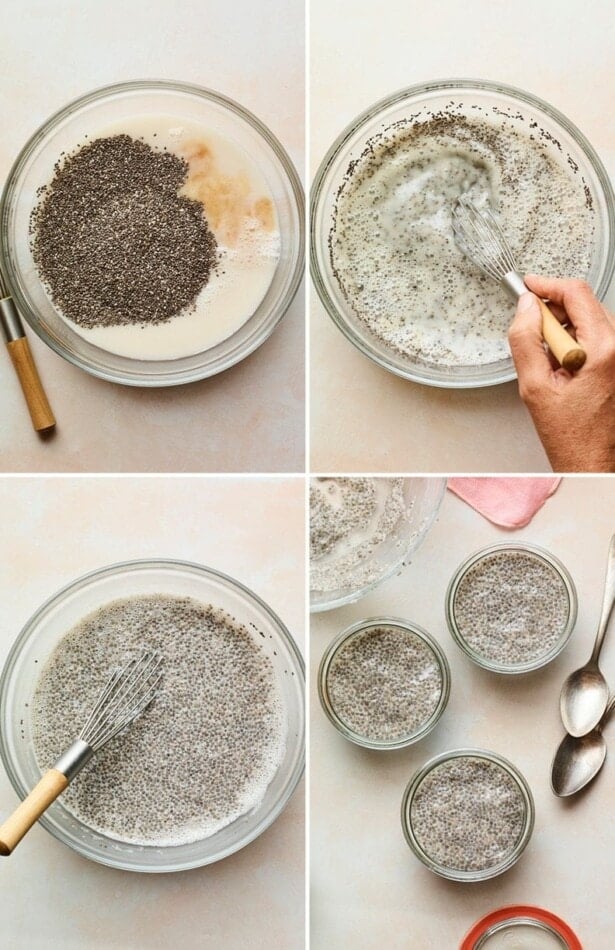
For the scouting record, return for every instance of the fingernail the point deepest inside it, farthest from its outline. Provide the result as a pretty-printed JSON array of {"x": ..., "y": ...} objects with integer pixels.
[{"x": 526, "y": 302}]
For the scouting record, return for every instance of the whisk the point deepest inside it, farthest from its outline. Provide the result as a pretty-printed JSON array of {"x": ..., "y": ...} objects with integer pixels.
[
  {"x": 128, "y": 692},
  {"x": 19, "y": 350},
  {"x": 481, "y": 239}
]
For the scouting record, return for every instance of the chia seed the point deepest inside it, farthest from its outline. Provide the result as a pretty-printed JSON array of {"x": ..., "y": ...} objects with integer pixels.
[
  {"x": 468, "y": 814},
  {"x": 391, "y": 244},
  {"x": 349, "y": 519},
  {"x": 207, "y": 747},
  {"x": 384, "y": 683},
  {"x": 511, "y": 607},
  {"x": 113, "y": 239}
]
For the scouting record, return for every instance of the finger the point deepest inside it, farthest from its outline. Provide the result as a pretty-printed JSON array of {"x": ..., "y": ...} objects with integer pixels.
[
  {"x": 526, "y": 344},
  {"x": 582, "y": 307}
]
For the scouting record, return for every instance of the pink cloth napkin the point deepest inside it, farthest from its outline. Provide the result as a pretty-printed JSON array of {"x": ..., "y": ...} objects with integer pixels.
[{"x": 509, "y": 502}]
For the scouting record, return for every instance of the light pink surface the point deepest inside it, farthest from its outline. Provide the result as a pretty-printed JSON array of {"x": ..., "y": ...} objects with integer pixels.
[
  {"x": 368, "y": 890},
  {"x": 364, "y": 419},
  {"x": 509, "y": 502},
  {"x": 55, "y": 529},
  {"x": 250, "y": 418}
]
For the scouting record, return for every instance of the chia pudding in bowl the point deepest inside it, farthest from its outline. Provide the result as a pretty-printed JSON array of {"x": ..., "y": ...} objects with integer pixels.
[
  {"x": 364, "y": 529},
  {"x": 468, "y": 815},
  {"x": 384, "y": 257},
  {"x": 216, "y": 756},
  {"x": 152, "y": 232},
  {"x": 511, "y": 607},
  {"x": 384, "y": 683}
]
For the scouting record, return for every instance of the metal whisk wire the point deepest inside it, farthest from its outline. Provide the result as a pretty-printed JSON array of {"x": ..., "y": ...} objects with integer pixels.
[
  {"x": 481, "y": 239},
  {"x": 126, "y": 695},
  {"x": 479, "y": 236}
]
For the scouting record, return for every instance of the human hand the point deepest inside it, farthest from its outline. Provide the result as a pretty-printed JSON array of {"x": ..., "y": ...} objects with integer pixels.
[{"x": 574, "y": 415}]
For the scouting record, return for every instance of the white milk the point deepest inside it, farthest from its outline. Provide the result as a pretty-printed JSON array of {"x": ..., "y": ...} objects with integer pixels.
[
  {"x": 393, "y": 249},
  {"x": 240, "y": 211}
]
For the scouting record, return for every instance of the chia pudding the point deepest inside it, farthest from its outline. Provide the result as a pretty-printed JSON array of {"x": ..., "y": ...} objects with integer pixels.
[
  {"x": 385, "y": 682},
  {"x": 468, "y": 814},
  {"x": 391, "y": 244},
  {"x": 155, "y": 239},
  {"x": 511, "y": 607},
  {"x": 206, "y": 749},
  {"x": 349, "y": 519}
]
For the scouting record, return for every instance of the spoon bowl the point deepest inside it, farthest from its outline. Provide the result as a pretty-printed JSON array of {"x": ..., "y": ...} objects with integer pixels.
[
  {"x": 585, "y": 695},
  {"x": 584, "y": 698},
  {"x": 579, "y": 758},
  {"x": 577, "y": 761}
]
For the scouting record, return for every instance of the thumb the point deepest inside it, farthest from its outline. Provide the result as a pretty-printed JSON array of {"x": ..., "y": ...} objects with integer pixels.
[{"x": 526, "y": 343}]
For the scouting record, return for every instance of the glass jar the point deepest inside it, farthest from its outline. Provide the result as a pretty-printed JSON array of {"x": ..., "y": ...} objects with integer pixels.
[
  {"x": 458, "y": 874},
  {"x": 543, "y": 557},
  {"x": 356, "y": 630}
]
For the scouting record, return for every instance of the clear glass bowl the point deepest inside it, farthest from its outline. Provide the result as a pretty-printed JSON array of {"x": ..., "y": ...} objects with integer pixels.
[
  {"x": 423, "y": 497},
  {"x": 455, "y": 874},
  {"x": 86, "y": 116},
  {"x": 433, "y": 96},
  {"x": 53, "y": 620},
  {"x": 342, "y": 640},
  {"x": 537, "y": 662}
]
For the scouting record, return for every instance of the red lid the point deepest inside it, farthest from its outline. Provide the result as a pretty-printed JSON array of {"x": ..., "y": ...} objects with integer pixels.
[{"x": 520, "y": 910}]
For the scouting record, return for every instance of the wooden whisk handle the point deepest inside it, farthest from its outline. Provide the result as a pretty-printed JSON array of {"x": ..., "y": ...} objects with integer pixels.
[
  {"x": 38, "y": 404},
  {"x": 565, "y": 349},
  {"x": 27, "y": 814}
]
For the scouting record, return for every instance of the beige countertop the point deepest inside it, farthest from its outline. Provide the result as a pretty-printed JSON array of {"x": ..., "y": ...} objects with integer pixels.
[
  {"x": 364, "y": 419},
  {"x": 250, "y": 418},
  {"x": 56, "y": 529},
  {"x": 368, "y": 889}
]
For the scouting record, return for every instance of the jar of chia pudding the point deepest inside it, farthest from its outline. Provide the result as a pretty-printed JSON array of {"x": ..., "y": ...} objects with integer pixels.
[
  {"x": 384, "y": 683},
  {"x": 468, "y": 815},
  {"x": 521, "y": 927},
  {"x": 511, "y": 607}
]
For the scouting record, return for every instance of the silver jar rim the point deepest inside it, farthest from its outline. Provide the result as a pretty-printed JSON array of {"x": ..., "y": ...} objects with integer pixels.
[
  {"x": 456, "y": 874},
  {"x": 479, "y": 658},
  {"x": 505, "y": 926},
  {"x": 359, "y": 628}
]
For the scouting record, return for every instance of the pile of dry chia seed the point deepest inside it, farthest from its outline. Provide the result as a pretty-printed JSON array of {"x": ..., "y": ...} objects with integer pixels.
[{"x": 113, "y": 240}]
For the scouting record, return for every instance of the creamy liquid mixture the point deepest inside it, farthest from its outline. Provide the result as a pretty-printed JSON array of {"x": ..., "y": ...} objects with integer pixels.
[
  {"x": 384, "y": 683},
  {"x": 205, "y": 750},
  {"x": 392, "y": 247},
  {"x": 349, "y": 519},
  {"x": 240, "y": 211}
]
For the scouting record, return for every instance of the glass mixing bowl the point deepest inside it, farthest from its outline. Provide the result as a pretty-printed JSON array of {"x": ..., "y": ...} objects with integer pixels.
[
  {"x": 87, "y": 116},
  {"x": 52, "y": 621},
  {"x": 422, "y": 497},
  {"x": 413, "y": 101}
]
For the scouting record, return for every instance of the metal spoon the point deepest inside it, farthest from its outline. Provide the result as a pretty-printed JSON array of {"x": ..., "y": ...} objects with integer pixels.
[
  {"x": 585, "y": 693},
  {"x": 578, "y": 760}
]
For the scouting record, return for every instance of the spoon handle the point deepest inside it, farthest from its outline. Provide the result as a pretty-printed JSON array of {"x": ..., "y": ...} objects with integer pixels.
[{"x": 607, "y": 602}]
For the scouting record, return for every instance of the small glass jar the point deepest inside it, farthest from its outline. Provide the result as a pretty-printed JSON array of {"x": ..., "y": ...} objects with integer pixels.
[
  {"x": 356, "y": 630},
  {"x": 458, "y": 874},
  {"x": 543, "y": 557},
  {"x": 521, "y": 926}
]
